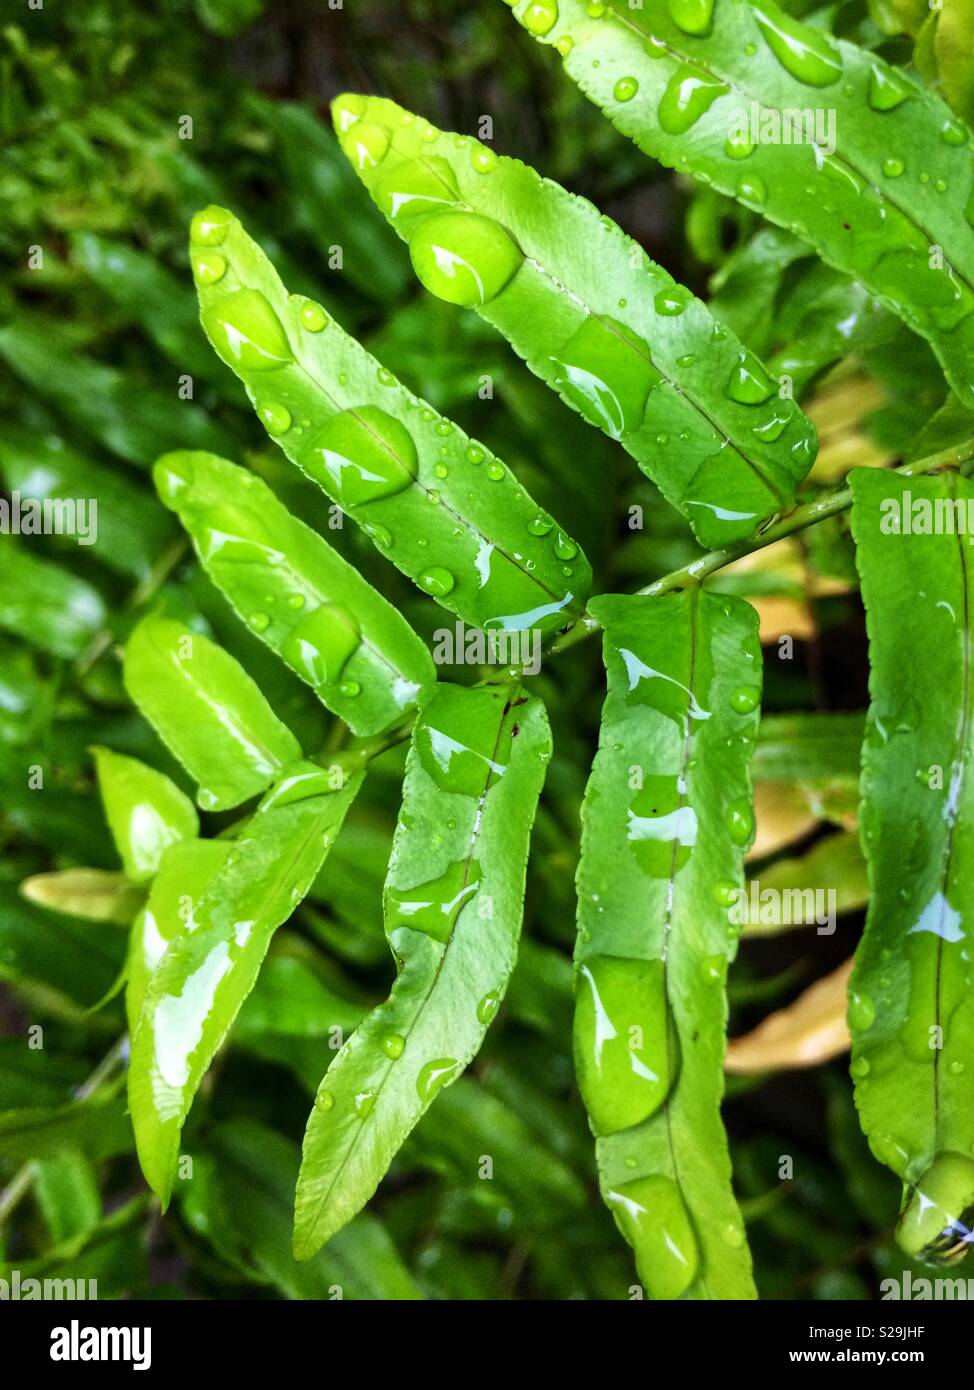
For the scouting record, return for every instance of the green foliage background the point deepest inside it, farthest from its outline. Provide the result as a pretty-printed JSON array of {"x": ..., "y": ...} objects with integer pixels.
[{"x": 92, "y": 347}]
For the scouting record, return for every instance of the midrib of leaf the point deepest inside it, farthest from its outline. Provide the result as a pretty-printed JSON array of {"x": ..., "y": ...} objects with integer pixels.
[
  {"x": 223, "y": 715},
  {"x": 963, "y": 734},
  {"x": 844, "y": 159},
  {"x": 701, "y": 410},
  {"x": 461, "y": 520},
  {"x": 429, "y": 991},
  {"x": 671, "y": 897}
]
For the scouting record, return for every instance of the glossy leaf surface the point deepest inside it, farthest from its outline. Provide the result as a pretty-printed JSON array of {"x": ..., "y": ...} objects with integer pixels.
[
  {"x": 633, "y": 351},
  {"x": 299, "y": 595},
  {"x": 450, "y": 516},
  {"x": 909, "y": 1012},
  {"x": 208, "y": 711},
  {"x": 145, "y": 809},
  {"x": 666, "y": 818},
  {"x": 888, "y": 181},
  {"x": 453, "y": 906},
  {"x": 209, "y": 968}
]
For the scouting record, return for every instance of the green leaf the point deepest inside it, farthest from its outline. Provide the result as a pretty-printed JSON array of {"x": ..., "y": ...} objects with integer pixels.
[
  {"x": 329, "y": 203},
  {"x": 128, "y": 416},
  {"x": 241, "y": 1202},
  {"x": 146, "y": 812},
  {"x": 209, "y": 968},
  {"x": 808, "y": 746},
  {"x": 439, "y": 507},
  {"x": 97, "y": 1127},
  {"x": 666, "y": 817},
  {"x": 912, "y": 1028},
  {"x": 689, "y": 84},
  {"x": 312, "y": 607},
  {"x": 453, "y": 905},
  {"x": 591, "y": 314},
  {"x": 67, "y": 1195},
  {"x": 46, "y": 605},
  {"x": 124, "y": 529},
  {"x": 207, "y": 710},
  {"x": 186, "y": 870},
  {"x": 95, "y": 894},
  {"x": 51, "y": 952},
  {"x": 953, "y": 48}
]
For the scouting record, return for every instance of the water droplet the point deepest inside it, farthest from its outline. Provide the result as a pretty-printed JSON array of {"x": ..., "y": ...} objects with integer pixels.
[
  {"x": 650, "y": 1213},
  {"x": 312, "y": 316},
  {"x": 737, "y": 145},
  {"x": 804, "y": 52},
  {"x": 275, "y": 418},
  {"x": 320, "y": 644},
  {"x": 436, "y": 581},
  {"x": 672, "y": 301},
  {"x": 347, "y": 109},
  {"x": 540, "y": 525},
  {"x": 210, "y": 226},
  {"x": 434, "y": 1076},
  {"x": 483, "y": 160},
  {"x": 496, "y": 472},
  {"x": 209, "y": 267},
  {"x": 626, "y": 1051},
  {"x": 260, "y": 622},
  {"x": 474, "y": 455},
  {"x": 745, "y": 698},
  {"x": 887, "y": 90},
  {"x": 565, "y": 44},
  {"x": 365, "y": 145},
  {"x": 385, "y": 377},
  {"x": 625, "y": 89},
  {"x": 324, "y": 1101},
  {"x": 893, "y": 167},
  {"x": 725, "y": 892},
  {"x": 540, "y": 17},
  {"x": 739, "y": 820},
  {"x": 692, "y": 16},
  {"x": 750, "y": 383},
  {"x": 860, "y": 1068},
  {"x": 733, "y": 1234},
  {"x": 606, "y": 371},
  {"x": 660, "y": 829},
  {"x": 462, "y": 257},
  {"x": 454, "y": 757},
  {"x": 862, "y": 1011},
  {"x": 564, "y": 548},
  {"x": 487, "y": 1008},
  {"x": 246, "y": 332},
  {"x": 712, "y": 969},
  {"x": 416, "y": 187},
  {"x": 364, "y": 1103},
  {"x": 654, "y": 47},
  {"x": 751, "y": 190},
  {"x": 689, "y": 95},
  {"x": 173, "y": 475},
  {"x": 433, "y": 907},
  {"x": 349, "y": 689},
  {"x": 953, "y": 133},
  {"x": 935, "y": 1225},
  {"x": 363, "y": 455},
  {"x": 392, "y": 1045}
]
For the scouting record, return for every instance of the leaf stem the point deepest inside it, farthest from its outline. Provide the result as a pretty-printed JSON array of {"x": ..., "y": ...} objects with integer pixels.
[{"x": 808, "y": 514}]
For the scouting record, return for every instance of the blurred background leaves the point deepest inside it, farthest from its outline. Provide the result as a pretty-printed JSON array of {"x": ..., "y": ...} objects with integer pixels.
[{"x": 118, "y": 121}]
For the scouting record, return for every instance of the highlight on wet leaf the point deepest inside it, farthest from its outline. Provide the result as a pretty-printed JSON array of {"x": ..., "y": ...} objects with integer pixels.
[
  {"x": 441, "y": 507},
  {"x": 818, "y": 135},
  {"x": 666, "y": 818},
  {"x": 452, "y": 907},
  {"x": 612, "y": 332}
]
